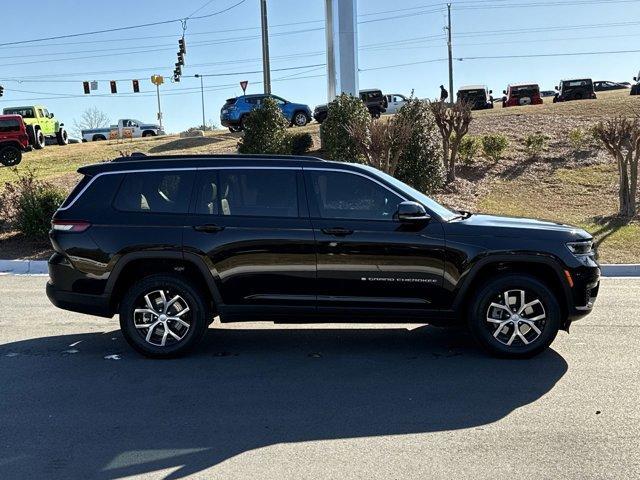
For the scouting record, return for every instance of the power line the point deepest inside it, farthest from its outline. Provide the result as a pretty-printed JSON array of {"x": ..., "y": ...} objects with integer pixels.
[{"x": 119, "y": 29}]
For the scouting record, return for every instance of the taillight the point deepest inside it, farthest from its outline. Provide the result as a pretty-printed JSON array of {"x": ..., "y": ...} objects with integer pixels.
[{"x": 75, "y": 226}]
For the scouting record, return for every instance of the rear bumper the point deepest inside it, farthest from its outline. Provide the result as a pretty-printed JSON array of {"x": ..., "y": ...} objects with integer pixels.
[{"x": 79, "y": 302}]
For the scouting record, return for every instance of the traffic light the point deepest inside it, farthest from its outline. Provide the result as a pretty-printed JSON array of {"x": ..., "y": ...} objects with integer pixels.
[
  {"x": 176, "y": 77},
  {"x": 182, "y": 45},
  {"x": 114, "y": 87},
  {"x": 87, "y": 90},
  {"x": 1, "y": 90},
  {"x": 136, "y": 86},
  {"x": 178, "y": 69},
  {"x": 180, "y": 58}
]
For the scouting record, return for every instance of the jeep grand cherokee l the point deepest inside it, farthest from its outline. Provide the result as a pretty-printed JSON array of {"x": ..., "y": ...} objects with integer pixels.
[{"x": 169, "y": 242}]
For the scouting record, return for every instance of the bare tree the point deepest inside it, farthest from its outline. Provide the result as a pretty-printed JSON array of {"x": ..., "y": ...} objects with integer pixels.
[
  {"x": 453, "y": 123},
  {"x": 621, "y": 138},
  {"x": 381, "y": 142},
  {"x": 91, "y": 118}
]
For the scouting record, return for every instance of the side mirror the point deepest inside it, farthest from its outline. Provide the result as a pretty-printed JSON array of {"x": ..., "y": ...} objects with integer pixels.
[
  {"x": 556, "y": 87},
  {"x": 490, "y": 91},
  {"x": 411, "y": 212},
  {"x": 635, "y": 79},
  {"x": 50, "y": 115},
  {"x": 504, "y": 92}
]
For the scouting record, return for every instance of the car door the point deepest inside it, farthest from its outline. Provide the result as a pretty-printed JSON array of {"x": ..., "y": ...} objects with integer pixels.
[
  {"x": 252, "y": 226},
  {"x": 366, "y": 258}
]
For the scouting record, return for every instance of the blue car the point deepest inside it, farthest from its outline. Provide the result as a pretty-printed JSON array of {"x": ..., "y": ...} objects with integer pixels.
[{"x": 235, "y": 110}]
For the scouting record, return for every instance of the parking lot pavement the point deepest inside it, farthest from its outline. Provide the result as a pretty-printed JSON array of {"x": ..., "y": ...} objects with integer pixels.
[{"x": 340, "y": 402}]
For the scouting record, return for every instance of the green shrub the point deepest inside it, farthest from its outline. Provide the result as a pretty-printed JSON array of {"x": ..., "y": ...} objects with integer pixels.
[
  {"x": 577, "y": 138},
  {"x": 336, "y": 142},
  {"x": 420, "y": 164},
  {"x": 468, "y": 149},
  {"x": 300, "y": 143},
  {"x": 494, "y": 145},
  {"x": 28, "y": 205},
  {"x": 265, "y": 130},
  {"x": 535, "y": 144}
]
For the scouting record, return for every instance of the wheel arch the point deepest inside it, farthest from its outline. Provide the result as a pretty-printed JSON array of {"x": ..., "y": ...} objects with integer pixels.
[
  {"x": 546, "y": 270},
  {"x": 127, "y": 271}
]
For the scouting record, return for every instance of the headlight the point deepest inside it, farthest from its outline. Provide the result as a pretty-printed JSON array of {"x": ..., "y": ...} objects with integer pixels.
[{"x": 581, "y": 249}]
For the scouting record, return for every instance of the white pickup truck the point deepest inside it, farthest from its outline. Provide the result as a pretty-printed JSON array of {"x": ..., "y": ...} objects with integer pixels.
[{"x": 126, "y": 128}]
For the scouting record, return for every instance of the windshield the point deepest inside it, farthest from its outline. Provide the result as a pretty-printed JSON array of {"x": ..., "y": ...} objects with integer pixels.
[{"x": 429, "y": 203}]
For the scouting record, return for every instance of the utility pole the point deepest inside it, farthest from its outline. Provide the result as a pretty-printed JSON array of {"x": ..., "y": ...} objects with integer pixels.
[
  {"x": 266, "y": 67},
  {"x": 159, "y": 111},
  {"x": 202, "y": 94},
  {"x": 451, "y": 97}
]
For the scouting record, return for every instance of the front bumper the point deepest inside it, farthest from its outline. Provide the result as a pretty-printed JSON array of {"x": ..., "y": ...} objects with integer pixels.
[{"x": 586, "y": 285}]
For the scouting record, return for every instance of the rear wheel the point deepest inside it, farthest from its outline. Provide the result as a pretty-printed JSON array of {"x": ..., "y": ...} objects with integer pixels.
[
  {"x": 39, "y": 140},
  {"x": 164, "y": 316},
  {"x": 62, "y": 137},
  {"x": 97, "y": 138},
  {"x": 10, "y": 156},
  {"x": 148, "y": 133},
  {"x": 515, "y": 316}
]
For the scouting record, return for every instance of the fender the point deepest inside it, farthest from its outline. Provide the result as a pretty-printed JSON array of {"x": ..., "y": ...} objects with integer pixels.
[
  {"x": 467, "y": 278},
  {"x": 195, "y": 260}
]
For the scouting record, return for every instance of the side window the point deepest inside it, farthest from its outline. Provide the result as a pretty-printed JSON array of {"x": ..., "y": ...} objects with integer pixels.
[
  {"x": 207, "y": 198},
  {"x": 259, "y": 192},
  {"x": 346, "y": 195},
  {"x": 40, "y": 113},
  {"x": 155, "y": 192}
]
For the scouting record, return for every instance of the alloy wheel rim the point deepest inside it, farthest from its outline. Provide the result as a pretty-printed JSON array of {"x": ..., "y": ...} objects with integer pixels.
[
  {"x": 300, "y": 119},
  {"x": 516, "y": 318},
  {"x": 10, "y": 158},
  {"x": 162, "y": 318}
]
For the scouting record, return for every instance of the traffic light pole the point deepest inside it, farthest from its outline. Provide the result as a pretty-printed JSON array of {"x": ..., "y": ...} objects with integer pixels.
[
  {"x": 202, "y": 94},
  {"x": 159, "y": 110}
]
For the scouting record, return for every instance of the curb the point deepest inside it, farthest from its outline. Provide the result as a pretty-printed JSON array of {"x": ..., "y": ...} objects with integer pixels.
[
  {"x": 23, "y": 267},
  {"x": 39, "y": 267}
]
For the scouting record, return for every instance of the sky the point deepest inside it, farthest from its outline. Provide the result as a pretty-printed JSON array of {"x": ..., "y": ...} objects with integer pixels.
[{"x": 402, "y": 47}]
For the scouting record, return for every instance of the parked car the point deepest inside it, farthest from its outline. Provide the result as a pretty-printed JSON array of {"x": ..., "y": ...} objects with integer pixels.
[
  {"x": 605, "y": 85},
  {"x": 577, "y": 89},
  {"x": 14, "y": 140},
  {"x": 235, "y": 111},
  {"x": 635, "y": 89},
  {"x": 373, "y": 98},
  {"x": 170, "y": 242},
  {"x": 478, "y": 96},
  {"x": 44, "y": 125},
  {"x": 519, "y": 94},
  {"x": 547, "y": 93},
  {"x": 395, "y": 101},
  {"x": 125, "y": 128}
]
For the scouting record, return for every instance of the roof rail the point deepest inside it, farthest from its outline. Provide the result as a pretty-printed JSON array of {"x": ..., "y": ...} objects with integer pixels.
[{"x": 139, "y": 156}]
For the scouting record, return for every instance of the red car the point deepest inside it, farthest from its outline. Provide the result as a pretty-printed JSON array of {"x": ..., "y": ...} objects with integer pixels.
[
  {"x": 13, "y": 140},
  {"x": 521, "y": 94}
]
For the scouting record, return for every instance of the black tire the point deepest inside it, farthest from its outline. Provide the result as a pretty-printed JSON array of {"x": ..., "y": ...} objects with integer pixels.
[
  {"x": 235, "y": 129},
  {"x": 39, "y": 141},
  {"x": 243, "y": 121},
  {"x": 299, "y": 119},
  {"x": 148, "y": 133},
  {"x": 494, "y": 335},
  {"x": 10, "y": 156},
  {"x": 62, "y": 137},
  {"x": 98, "y": 138},
  {"x": 197, "y": 316}
]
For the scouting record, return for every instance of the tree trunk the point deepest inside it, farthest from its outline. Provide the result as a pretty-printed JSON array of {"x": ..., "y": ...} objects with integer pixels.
[
  {"x": 626, "y": 203},
  {"x": 633, "y": 187}
]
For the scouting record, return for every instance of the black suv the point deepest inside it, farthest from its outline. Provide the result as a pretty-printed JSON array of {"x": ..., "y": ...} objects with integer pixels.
[
  {"x": 579, "y": 89},
  {"x": 373, "y": 98},
  {"x": 170, "y": 242}
]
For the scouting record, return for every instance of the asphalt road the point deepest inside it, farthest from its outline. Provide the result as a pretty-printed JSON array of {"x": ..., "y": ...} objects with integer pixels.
[{"x": 329, "y": 402}]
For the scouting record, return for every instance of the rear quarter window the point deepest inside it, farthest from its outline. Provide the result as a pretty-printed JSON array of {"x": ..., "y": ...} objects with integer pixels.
[
  {"x": 155, "y": 192},
  {"x": 10, "y": 125}
]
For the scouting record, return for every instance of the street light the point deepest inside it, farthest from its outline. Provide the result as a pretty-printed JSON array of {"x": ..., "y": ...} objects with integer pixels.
[{"x": 197, "y": 75}]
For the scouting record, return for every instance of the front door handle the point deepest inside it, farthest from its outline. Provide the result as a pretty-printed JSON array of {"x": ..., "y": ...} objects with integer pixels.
[
  {"x": 337, "y": 231},
  {"x": 208, "y": 228}
]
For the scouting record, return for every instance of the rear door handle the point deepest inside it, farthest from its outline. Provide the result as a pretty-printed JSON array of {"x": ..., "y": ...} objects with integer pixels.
[
  {"x": 208, "y": 228},
  {"x": 337, "y": 231}
]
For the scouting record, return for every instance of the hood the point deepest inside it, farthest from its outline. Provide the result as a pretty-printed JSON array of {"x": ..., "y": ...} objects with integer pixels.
[{"x": 496, "y": 226}]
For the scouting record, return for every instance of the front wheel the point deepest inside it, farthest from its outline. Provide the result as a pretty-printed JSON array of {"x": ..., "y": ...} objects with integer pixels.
[
  {"x": 62, "y": 137},
  {"x": 10, "y": 156},
  {"x": 164, "y": 316},
  {"x": 515, "y": 316},
  {"x": 39, "y": 140},
  {"x": 300, "y": 119}
]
